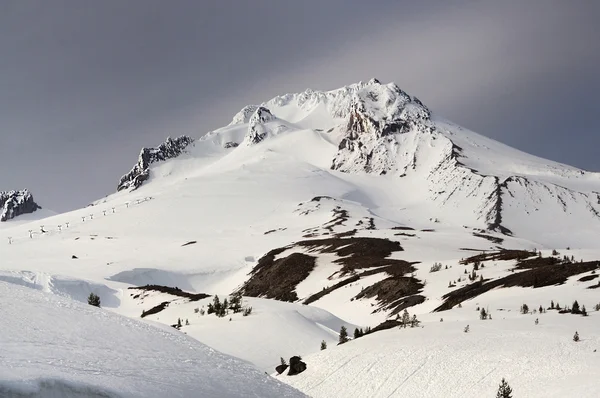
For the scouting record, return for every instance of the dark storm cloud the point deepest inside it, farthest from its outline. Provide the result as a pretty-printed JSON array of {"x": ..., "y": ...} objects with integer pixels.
[{"x": 85, "y": 84}]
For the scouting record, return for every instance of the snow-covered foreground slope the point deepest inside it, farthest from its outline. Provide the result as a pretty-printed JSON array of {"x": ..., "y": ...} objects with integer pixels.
[
  {"x": 273, "y": 329},
  {"x": 441, "y": 360},
  {"x": 55, "y": 347}
]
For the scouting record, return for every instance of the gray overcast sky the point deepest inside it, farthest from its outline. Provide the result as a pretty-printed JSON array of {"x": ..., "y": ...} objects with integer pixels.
[{"x": 85, "y": 84}]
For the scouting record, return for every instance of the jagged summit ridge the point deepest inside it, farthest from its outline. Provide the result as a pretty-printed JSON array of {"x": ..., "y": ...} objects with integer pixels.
[
  {"x": 169, "y": 149},
  {"x": 15, "y": 203}
]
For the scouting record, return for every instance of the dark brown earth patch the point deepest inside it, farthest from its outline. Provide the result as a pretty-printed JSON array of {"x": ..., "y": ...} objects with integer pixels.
[
  {"x": 395, "y": 293},
  {"x": 405, "y": 234},
  {"x": 156, "y": 310},
  {"x": 174, "y": 291},
  {"x": 537, "y": 262},
  {"x": 346, "y": 234},
  {"x": 192, "y": 242},
  {"x": 548, "y": 275},
  {"x": 492, "y": 239},
  {"x": 499, "y": 256},
  {"x": 403, "y": 228},
  {"x": 277, "y": 279},
  {"x": 588, "y": 278}
]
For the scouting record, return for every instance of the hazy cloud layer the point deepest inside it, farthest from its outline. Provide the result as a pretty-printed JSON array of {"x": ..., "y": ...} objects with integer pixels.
[{"x": 85, "y": 84}]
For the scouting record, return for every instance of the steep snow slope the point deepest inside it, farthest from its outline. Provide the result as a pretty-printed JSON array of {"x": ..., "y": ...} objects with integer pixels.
[{"x": 55, "y": 347}]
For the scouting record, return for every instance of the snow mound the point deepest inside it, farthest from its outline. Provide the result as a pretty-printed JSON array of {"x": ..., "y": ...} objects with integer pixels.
[{"x": 52, "y": 346}]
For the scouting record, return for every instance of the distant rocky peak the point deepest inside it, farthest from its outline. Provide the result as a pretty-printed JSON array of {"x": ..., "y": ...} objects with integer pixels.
[
  {"x": 169, "y": 149},
  {"x": 15, "y": 203},
  {"x": 243, "y": 116},
  {"x": 256, "y": 128}
]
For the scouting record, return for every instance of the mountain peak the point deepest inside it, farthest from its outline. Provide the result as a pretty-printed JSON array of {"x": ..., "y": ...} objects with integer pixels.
[
  {"x": 171, "y": 148},
  {"x": 15, "y": 203}
]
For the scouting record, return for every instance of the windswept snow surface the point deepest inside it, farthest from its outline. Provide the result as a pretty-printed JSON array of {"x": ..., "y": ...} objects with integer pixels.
[
  {"x": 441, "y": 360},
  {"x": 55, "y": 347}
]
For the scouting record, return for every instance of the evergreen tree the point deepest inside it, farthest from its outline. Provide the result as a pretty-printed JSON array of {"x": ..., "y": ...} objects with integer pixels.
[
  {"x": 584, "y": 311},
  {"x": 524, "y": 309},
  {"x": 467, "y": 329},
  {"x": 483, "y": 314},
  {"x": 537, "y": 321},
  {"x": 504, "y": 390},
  {"x": 343, "y": 335},
  {"x": 576, "y": 337},
  {"x": 575, "y": 309},
  {"x": 405, "y": 319},
  {"x": 210, "y": 309},
  {"x": 414, "y": 322},
  {"x": 541, "y": 310},
  {"x": 235, "y": 302},
  {"x": 217, "y": 305},
  {"x": 323, "y": 345},
  {"x": 94, "y": 300},
  {"x": 551, "y": 304},
  {"x": 356, "y": 333},
  {"x": 283, "y": 362},
  {"x": 178, "y": 322}
]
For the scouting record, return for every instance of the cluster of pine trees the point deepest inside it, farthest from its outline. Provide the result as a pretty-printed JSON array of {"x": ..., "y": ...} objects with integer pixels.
[{"x": 234, "y": 304}]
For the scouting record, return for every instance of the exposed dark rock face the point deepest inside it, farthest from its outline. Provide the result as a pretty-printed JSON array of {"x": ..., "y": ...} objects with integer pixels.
[
  {"x": 256, "y": 129},
  {"x": 296, "y": 366},
  {"x": 169, "y": 149},
  {"x": 281, "y": 368},
  {"x": 15, "y": 203}
]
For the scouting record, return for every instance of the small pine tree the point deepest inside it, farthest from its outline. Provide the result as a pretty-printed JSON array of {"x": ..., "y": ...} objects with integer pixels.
[
  {"x": 283, "y": 362},
  {"x": 483, "y": 314},
  {"x": 551, "y": 304},
  {"x": 459, "y": 305},
  {"x": 356, "y": 333},
  {"x": 405, "y": 319},
  {"x": 210, "y": 309},
  {"x": 467, "y": 329},
  {"x": 94, "y": 300},
  {"x": 323, "y": 345},
  {"x": 187, "y": 323},
  {"x": 217, "y": 305},
  {"x": 504, "y": 390},
  {"x": 575, "y": 309},
  {"x": 584, "y": 311},
  {"x": 343, "y": 335},
  {"x": 524, "y": 309},
  {"x": 414, "y": 322},
  {"x": 537, "y": 321},
  {"x": 541, "y": 310},
  {"x": 178, "y": 322},
  {"x": 576, "y": 337},
  {"x": 247, "y": 311}
]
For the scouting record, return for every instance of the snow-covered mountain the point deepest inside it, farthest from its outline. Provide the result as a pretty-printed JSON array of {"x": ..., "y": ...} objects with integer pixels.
[
  {"x": 329, "y": 209},
  {"x": 15, "y": 203}
]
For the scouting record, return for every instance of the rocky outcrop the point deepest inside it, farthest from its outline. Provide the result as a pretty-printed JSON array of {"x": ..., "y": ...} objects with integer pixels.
[
  {"x": 378, "y": 113},
  {"x": 256, "y": 125},
  {"x": 15, "y": 203},
  {"x": 169, "y": 149},
  {"x": 296, "y": 366}
]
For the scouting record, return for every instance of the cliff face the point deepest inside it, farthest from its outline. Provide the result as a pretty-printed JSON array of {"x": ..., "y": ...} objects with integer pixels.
[
  {"x": 15, "y": 203},
  {"x": 169, "y": 149}
]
